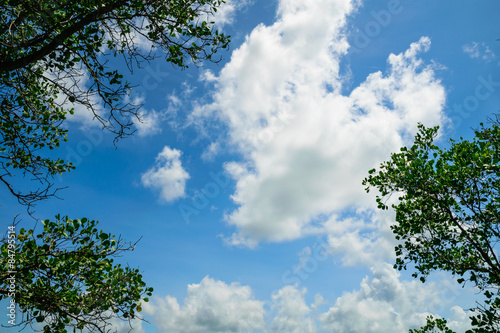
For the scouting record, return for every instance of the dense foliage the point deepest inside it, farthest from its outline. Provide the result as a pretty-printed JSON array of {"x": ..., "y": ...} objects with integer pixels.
[
  {"x": 433, "y": 325},
  {"x": 447, "y": 213},
  {"x": 54, "y": 58},
  {"x": 66, "y": 276}
]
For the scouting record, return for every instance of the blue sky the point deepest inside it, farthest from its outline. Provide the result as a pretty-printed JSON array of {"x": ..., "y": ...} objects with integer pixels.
[{"x": 245, "y": 180}]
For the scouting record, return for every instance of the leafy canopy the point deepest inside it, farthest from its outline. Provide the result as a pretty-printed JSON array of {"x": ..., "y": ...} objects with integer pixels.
[
  {"x": 447, "y": 213},
  {"x": 48, "y": 48},
  {"x": 433, "y": 325},
  {"x": 66, "y": 277},
  {"x": 54, "y": 57}
]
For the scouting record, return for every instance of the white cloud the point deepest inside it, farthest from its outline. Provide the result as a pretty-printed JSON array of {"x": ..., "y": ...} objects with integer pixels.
[
  {"x": 293, "y": 314},
  {"x": 167, "y": 175},
  {"x": 385, "y": 304},
  {"x": 227, "y": 11},
  {"x": 148, "y": 123},
  {"x": 478, "y": 50},
  {"x": 212, "y": 150},
  {"x": 306, "y": 147},
  {"x": 138, "y": 39},
  {"x": 210, "y": 306},
  {"x": 365, "y": 239},
  {"x": 459, "y": 320}
]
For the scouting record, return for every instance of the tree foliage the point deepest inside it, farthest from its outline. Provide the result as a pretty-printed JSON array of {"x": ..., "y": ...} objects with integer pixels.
[
  {"x": 48, "y": 49},
  {"x": 447, "y": 213},
  {"x": 54, "y": 57},
  {"x": 433, "y": 325},
  {"x": 66, "y": 277}
]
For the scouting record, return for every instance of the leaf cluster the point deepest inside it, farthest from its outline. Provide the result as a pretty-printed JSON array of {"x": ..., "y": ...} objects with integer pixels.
[
  {"x": 433, "y": 325},
  {"x": 66, "y": 277},
  {"x": 447, "y": 212}
]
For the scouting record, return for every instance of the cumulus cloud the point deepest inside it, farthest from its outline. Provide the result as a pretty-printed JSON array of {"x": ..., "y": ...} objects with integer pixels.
[
  {"x": 385, "y": 304},
  {"x": 293, "y": 314},
  {"x": 210, "y": 306},
  {"x": 477, "y": 50},
  {"x": 459, "y": 319},
  {"x": 306, "y": 147},
  {"x": 167, "y": 175},
  {"x": 361, "y": 240}
]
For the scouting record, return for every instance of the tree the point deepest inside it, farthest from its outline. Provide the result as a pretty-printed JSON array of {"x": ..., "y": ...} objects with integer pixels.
[
  {"x": 48, "y": 46},
  {"x": 65, "y": 277},
  {"x": 433, "y": 325},
  {"x": 447, "y": 213}
]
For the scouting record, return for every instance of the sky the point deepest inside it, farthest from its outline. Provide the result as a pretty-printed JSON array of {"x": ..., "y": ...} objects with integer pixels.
[{"x": 243, "y": 183}]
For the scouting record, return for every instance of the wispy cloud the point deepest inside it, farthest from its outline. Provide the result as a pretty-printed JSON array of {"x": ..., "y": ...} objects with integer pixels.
[
  {"x": 477, "y": 50},
  {"x": 226, "y": 13},
  {"x": 292, "y": 312},
  {"x": 148, "y": 123}
]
